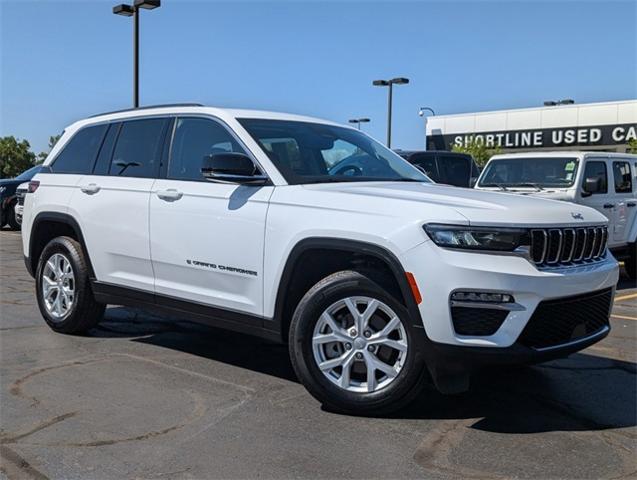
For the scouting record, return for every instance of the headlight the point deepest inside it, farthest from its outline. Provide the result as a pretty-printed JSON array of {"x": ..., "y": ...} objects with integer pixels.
[{"x": 477, "y": 238}]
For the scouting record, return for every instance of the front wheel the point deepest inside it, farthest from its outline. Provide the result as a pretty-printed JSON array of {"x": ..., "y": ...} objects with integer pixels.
[
  {"x": 353, "y": 346},
  {"x": 12, "y": 219}
]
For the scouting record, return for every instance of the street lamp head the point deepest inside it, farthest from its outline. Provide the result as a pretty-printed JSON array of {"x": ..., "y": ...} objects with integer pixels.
[
  {"x": 124, "y": 10},
  {"x": 364, "y": 120},
  {"x": 147, "y": 4},
  {"x": 380, "y": 83},
  {"x": 353, "y": 120},
  {"x": 422, "y": 111},
  {"x": 550, "y": 103},
  {"x": 399, "y": 81},
  {"x": 566, "y": 101}
]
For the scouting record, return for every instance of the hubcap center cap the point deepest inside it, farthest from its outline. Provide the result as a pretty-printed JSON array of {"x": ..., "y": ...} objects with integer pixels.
[{"x": 359, "y": 343}]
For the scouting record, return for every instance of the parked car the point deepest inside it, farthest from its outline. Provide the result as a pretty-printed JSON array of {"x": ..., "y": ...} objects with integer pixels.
[
  {"x": 20, "y": 193},
  {"x": 604, "y": 181},
  {"x": 232, "y": 218},
  {"x": 8, "y": 199},
  {"x": 441, "y": 166}
]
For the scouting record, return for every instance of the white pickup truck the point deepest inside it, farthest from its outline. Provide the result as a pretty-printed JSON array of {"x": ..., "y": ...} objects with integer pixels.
[{"x": 604, "y": 181}]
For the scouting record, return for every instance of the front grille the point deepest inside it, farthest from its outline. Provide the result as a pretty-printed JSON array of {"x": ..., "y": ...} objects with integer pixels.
[
  {"x": 477, "y": 321},
  {"x": 567, "y": 246},
  {"x": 560, "y": 321},
  {"x": 20, "y": 194}
]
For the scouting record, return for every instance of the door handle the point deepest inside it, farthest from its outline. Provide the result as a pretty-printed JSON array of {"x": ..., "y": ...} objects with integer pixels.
[
  {"x": 609, "y": 205},
  {"x": 90, "y": 189},
  {"x": 631, "y": 204},
  {"x": 170, "y": 195}
]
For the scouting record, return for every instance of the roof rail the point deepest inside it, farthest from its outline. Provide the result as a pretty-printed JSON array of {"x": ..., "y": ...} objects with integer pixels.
[{"x": 164, "y": 105}]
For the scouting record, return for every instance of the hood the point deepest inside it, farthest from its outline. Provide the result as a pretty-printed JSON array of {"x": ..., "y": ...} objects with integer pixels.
[
  {"x": 8, "y": 186},
  {"x": 10, "y": 181},
  {"x": 434, "y": 202}
]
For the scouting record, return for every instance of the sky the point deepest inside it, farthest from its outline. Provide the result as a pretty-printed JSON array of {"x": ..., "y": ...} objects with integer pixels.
[{"x": 62, "y": 61}]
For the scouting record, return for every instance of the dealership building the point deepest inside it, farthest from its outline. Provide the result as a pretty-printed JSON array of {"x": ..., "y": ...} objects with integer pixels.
[{"x": 607, "y": 126}]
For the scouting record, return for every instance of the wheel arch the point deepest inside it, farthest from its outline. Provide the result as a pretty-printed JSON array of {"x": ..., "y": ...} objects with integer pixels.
[
  {"x": 49, "y": 225},
  {"x": 353, "y": 249}
]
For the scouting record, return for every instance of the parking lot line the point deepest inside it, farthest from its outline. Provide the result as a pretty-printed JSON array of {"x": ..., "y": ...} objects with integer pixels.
[
  {"x": 623, "y": 317},
  {"x": 626, "y": 297}
]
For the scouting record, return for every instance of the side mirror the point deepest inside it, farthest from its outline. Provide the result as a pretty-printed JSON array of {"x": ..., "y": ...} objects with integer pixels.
[
  {"x": 473, "y": 181},
  {"x": 231, "y": 167},
  {"x": 591, "y": 185}
]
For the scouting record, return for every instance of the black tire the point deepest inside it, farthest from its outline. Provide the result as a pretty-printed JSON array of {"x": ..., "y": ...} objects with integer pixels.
[
  {"x": 394, "y": 396},
  {"x": 630, "y": 264},
  {"x": 85, "y": 313},
  {"x": 11, "y": 220}
]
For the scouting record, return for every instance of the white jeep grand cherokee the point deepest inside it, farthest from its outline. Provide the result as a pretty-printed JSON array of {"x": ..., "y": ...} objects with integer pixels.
[{"x": 374, "y": 275}]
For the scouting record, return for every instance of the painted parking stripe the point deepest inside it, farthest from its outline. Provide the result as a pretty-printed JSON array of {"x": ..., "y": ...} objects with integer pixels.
[
  {"x": 626, "y": 297},
  {"x": 623, "y": 317}
]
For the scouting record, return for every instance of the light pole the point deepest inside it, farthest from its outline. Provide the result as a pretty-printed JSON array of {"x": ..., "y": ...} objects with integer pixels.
[
  {"x": 126, "y": 10},
  {"x": 421, "y": 112},
  {"x": 390, "y": 84},
  {"x": 359, "y": 121}
]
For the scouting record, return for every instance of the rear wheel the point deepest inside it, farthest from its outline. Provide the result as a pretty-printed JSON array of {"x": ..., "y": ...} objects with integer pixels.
[
  {"x": 353, "y": 346},
  {"x": 63, "y": 289}
]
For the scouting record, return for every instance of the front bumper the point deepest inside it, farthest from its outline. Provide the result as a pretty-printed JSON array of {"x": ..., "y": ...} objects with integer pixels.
[
  {"x": 19, "y": 210},
  {"x": 439, "y": 272},
  {"x": 452, "y": 357}
]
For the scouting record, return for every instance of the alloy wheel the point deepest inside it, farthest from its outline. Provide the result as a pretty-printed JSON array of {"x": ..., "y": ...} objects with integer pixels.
[
  {"x": 360, "y": 344},
  {"x": 58, "y": 286}
]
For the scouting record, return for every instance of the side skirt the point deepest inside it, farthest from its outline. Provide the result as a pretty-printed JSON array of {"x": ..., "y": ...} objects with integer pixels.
[{"x": 197, "y": 312}]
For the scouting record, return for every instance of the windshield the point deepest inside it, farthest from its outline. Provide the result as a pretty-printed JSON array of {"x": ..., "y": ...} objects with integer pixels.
[
  {"x": 538, "y": 172},
  {"x": 316, "y": 153},
  {"x": 29, "y": 174}
]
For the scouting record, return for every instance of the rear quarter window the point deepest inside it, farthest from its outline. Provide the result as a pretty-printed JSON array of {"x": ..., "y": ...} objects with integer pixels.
[{"x": 78, "y": 155}]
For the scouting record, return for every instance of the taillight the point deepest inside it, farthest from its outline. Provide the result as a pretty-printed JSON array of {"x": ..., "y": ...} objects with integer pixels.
[{"x": 33, "y": 186}]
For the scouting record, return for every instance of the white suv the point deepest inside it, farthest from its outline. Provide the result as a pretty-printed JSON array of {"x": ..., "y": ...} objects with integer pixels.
[
  {"x": 375, "y": 276},
  {"x": 604, "y": 181}
]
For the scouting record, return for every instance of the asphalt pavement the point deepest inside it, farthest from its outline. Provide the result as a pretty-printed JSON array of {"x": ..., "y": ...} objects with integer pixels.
[{"x": 146, "y": 396}]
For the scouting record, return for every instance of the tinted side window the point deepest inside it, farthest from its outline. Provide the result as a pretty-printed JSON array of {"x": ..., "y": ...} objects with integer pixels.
[
  {"x": 428, "y": 164},
  {"x": 138, "y": 148},
  {"x": 597, "y": 170},
  {"x": 623, "y": 180},
  {"x": 455, "y": 170},
  {"x": 79, "y": 153},
  {"x": 103, "y": 162},
  {"x": 196, "y": 138}
]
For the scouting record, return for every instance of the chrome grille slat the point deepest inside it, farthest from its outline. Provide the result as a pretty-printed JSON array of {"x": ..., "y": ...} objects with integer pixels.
[
  {"x": 568, "y": 246},
  {"x": 569, "y": 236}
]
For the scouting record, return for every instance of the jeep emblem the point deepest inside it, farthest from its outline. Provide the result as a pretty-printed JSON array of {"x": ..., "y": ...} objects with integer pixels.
[{"x": 577, "y": 216}]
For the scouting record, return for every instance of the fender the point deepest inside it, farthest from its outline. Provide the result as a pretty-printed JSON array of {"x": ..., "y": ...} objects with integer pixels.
[
  {"x": 354, "y": 246},
  {"x": 57, "y": 217}
]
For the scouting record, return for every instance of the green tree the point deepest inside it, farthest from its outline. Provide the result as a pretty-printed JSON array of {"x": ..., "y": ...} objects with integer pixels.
[
  {"x": 478, "y": 150},
  {"x": 632, "y": 145},
  {"x": 15, "y": 156}
]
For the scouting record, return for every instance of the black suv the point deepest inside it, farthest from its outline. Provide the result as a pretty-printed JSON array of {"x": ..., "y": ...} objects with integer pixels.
[
  {"x": 441, "y": 166},
  {"x": 8, "y": 198}
]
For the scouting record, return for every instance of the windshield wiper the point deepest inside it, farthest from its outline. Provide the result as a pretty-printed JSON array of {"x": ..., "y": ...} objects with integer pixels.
[
  {"x": 532, "y": 185},
  {"x": 497, "y": 185}
]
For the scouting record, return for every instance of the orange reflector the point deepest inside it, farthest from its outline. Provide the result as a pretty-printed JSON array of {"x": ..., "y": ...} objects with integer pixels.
[{"x": 414, "y": 287}]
